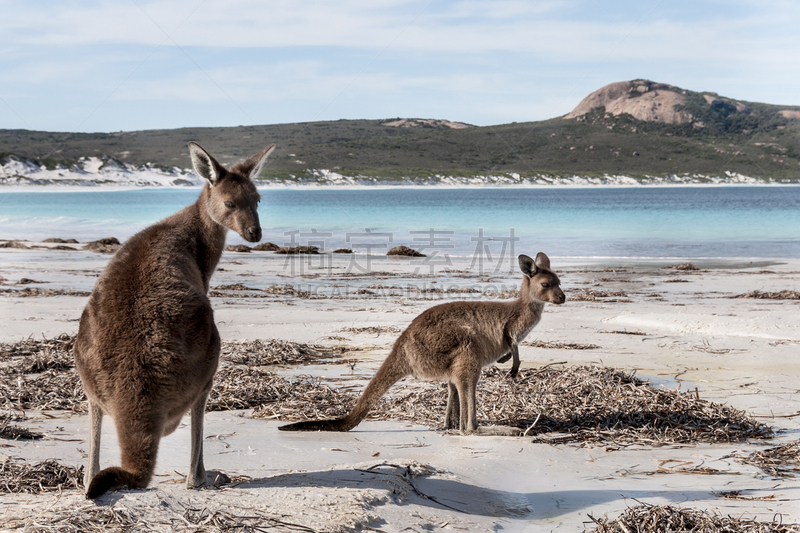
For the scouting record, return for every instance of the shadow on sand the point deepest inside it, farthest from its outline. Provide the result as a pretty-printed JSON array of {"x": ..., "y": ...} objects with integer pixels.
[{"x": 419, "y": 485}]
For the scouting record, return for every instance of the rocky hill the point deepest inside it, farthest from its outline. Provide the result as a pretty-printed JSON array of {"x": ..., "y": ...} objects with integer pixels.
[
  {"x": 635, "y": 128},
  {"x": 641, "y": 99},
  {"x": 650, "y": 101}
]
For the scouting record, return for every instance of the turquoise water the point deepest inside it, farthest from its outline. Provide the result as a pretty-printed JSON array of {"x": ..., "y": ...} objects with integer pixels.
[{"x": 737, "y": 221}]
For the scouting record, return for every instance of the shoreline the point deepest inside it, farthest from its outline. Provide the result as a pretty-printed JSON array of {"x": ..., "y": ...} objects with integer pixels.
[
  {"x": 571, "y": 260},
  {"x": 51, "y": 188}
]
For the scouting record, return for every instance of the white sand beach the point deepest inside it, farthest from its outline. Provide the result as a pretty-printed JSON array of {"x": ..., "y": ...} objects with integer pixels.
[{"x": 394, "y": 476}]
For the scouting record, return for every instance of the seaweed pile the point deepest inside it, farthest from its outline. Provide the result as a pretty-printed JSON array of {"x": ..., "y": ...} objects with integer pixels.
[
  {"x": 17, "y": 475},
  {"x": 554, "y": 405},
  {"x": 780, "y": 461},
  {"x": 665, "y": 519}
]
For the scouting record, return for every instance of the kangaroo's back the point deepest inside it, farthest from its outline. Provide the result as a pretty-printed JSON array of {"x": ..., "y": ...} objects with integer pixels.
[
  {"x": 147, "y": 346},
  {"x": 146, "y": 329}
]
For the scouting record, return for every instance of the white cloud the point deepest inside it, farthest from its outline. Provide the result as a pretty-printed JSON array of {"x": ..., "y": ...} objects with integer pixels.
[
  {"x": 467, "y": 26},
  {"x": 479, "y": 61}
]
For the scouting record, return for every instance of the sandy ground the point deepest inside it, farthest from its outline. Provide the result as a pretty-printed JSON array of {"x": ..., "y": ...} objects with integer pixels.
[{"x": 392, "y": 476}]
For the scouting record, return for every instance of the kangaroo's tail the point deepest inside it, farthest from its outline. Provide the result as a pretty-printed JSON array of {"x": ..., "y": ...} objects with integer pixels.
[
  {"x": 138, "y": 451},
  {"x": 391, "y": 371}
]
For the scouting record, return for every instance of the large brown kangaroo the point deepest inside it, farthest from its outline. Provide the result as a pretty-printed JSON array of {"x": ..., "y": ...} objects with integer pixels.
[
  {"x": 147, "y": 346},
  {"x": 453, "y": 342}
]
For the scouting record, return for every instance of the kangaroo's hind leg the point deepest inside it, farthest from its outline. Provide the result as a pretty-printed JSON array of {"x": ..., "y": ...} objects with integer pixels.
[
  {"x": 466, "y": 385},
  {"x": 515, "y": 363},
  {"x": 197, "y": 471},
  {"x": 198, "y": 476},
  {"x": 467, "y": 390},
  {"x": 453, "y": 413},
  {"x": 95, "y": 425}
]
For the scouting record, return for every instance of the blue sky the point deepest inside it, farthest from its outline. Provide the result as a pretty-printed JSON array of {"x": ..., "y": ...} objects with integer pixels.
[{"x": 133, "y": 64}]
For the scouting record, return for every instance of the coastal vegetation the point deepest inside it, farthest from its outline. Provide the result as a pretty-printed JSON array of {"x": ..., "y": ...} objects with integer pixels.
[{"x": 703, "y": 134}]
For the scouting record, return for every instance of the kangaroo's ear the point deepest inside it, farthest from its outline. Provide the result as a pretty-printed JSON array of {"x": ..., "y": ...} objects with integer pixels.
[
  {"x": 527, "y": 266},
  {"x": 205, "y": 165},
  {"x": 542, "y": 261},
  {"x": 252, "y": 165}
]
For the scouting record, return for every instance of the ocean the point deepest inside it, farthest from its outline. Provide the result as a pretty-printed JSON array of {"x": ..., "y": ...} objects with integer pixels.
[{"x": 633, "y": 222}]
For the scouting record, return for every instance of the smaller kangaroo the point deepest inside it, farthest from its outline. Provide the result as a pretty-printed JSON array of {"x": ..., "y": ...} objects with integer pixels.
[
  {"x": 453, "y": 342},
  {"x": 147, "y": 346}
]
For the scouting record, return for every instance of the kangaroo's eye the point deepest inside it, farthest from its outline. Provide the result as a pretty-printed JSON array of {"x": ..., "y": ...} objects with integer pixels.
[
  {"x": 229, "y": 205},
  {"x": 546, "y": 285}
]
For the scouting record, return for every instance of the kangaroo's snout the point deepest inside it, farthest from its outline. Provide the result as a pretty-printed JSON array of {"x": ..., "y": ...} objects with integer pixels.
[
  {"x": 560, "y": 297},
  {"x": 253, "y": 234}
]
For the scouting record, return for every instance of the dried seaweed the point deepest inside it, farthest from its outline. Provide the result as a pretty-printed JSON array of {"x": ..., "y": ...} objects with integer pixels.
[
  {"x": 737, "y": 495},
  {"x": 404, "y": 251},
  {"x": 17, "y": 475},
  {"x": 574, "y": 404},
  {"x": 246, "y": 380},
  {"x": 589, "y": 295},
  {"x": 30, "y": 346},
  {"x": 238, "y": 248},
  {"x": 108, "y": 245},
  {"x": 306, "y": 398},
  {"x": 779, "y": 295},
  {"x": 42, "y": 374},
  {"x": 13, "y": 244},
  {"x": 49, "y": 390},
  {"x": 782, "y": 461},
  {"x": 88, "y": 519},
  {"x": 266, "y": 247},
  {"x": 60, "y": 241},
  {"x": 376, "y": 330},
  {"x": 243, "y": 387},
  {"x": 664, "y": 519},
  {"x": 449, "y": 290},
  {"x": 233, "y": 287},
  {"x": 222, "y": 522},
  {"x": 12, "y": 432},
  {"x": 625, "y": 332},
  {"x": 295, "y": 250},
  {"x": 28, "y": 292},
  {"x": 560, "y": 345},
  {"x": 288, "y": 290},
  {"x": 365, "y": 292},
  {"x": 279, "y": 352},
  {"x": 682, "y": 266},
  {"x": 502, "y": 295}
]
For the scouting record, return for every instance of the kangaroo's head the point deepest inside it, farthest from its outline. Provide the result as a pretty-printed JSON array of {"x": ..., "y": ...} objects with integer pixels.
[
  {"x": 231, "y": 197},
  {"x": 540, "y": 282}
]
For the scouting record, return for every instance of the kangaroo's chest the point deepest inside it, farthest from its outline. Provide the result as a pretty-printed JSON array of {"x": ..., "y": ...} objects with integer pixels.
[{"x": 526, "y": 329}]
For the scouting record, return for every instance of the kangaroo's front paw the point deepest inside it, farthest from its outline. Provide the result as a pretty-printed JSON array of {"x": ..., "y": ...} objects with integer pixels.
[
  {"x": 512, "y": 374},
  {"x": 505, "y": 358}
]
